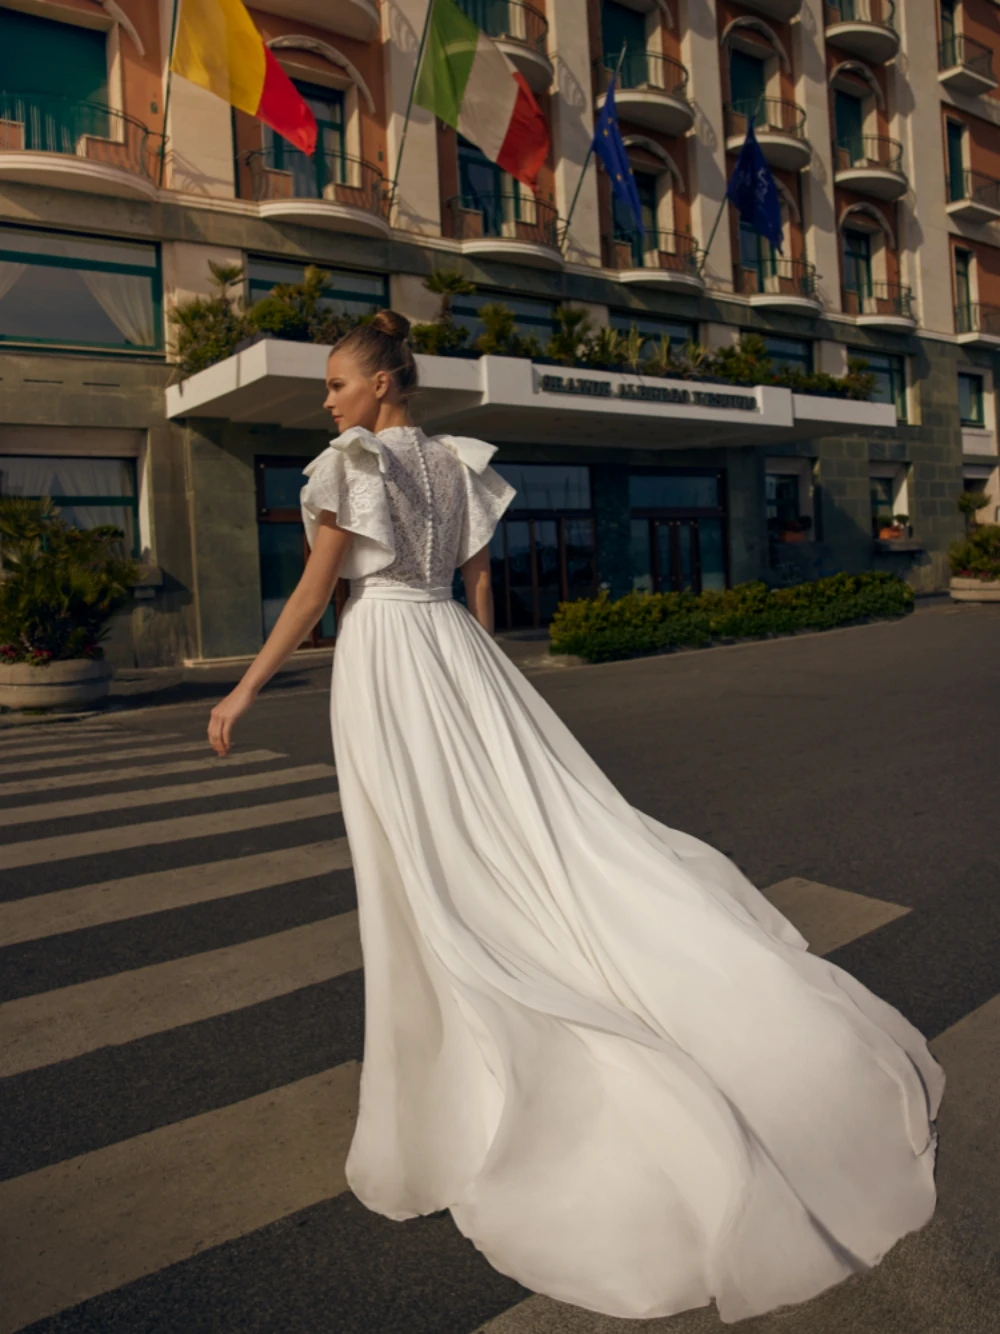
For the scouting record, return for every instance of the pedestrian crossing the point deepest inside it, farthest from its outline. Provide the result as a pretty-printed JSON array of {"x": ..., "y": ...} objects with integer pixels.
[{"x": 105, "y": 1237}]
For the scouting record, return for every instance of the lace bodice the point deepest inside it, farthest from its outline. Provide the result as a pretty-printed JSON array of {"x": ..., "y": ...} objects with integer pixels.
[{"x": 419, "y": 506}]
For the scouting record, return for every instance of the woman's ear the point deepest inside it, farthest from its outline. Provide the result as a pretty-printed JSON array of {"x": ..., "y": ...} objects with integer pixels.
[{"x": 381, "y": 382}]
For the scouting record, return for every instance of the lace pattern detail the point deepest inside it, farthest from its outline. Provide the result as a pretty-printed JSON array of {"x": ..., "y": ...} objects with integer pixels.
[{"x": 419, "y": 506}]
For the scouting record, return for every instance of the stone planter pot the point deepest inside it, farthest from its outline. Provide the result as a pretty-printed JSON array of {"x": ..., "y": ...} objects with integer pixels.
[
  {"x": 74, "y": 683},
  {"x": 974, "y": 590}
]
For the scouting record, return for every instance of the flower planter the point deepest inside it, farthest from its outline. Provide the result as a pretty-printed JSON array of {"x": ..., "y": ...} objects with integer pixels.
[
  {"x": 891, "y": 534},
  {"x": 974, "y": 590},
  {"x": 789, "y": 535},
  {"x": 72, "y": 683}
]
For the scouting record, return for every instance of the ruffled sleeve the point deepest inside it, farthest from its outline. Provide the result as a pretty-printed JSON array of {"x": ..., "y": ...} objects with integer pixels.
[
  {"x": 487, "y": 493},
  {"x": 346, "y": 479}
]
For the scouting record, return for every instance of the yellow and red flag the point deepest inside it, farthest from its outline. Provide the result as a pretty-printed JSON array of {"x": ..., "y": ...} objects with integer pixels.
[{"x": 218, "y": 47}]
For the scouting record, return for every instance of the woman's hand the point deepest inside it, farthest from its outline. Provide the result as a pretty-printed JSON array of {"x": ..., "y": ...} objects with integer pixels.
[{"x": 225, "y": 714}]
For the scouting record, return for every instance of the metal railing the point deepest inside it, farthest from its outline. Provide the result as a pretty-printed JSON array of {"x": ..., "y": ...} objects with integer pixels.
[
  {"x": 677, "y": 252},
  {"x": 880, "y": 298},
  {"x": 510, "y": 20},
  {"x": 40, "y": 123},
  {"x": 777, "y": 276},
  {"x": 771, "y": 115},
  {"x": 971, "y": 55},
  {"x": 974, "y": 317},
  {"x": 984, "y": 190},
  {"x": 868, "y": 150},
  {"x": 643, "y": 69},
  {"x": 503, "y": 214},
  {"x": 286, "y": 173},
  {"x": 879, "y": 13}
]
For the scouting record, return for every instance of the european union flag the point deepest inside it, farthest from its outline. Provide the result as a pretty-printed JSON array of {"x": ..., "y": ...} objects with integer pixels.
[
  {"x": 752, "y": 189},
  {"x": 610, "y": 149}
]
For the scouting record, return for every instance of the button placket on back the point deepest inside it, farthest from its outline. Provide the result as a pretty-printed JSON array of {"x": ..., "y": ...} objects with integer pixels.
[{"x": 429, "y": 530}]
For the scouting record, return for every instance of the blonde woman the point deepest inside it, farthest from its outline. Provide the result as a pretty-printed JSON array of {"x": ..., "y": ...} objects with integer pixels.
[{"x": 588, "y": 1035}]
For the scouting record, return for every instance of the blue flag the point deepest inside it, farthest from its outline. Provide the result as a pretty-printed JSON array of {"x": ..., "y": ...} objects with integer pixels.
[
  {"x": 610, "y": 149},
  {"x": 752, "y": 189}
]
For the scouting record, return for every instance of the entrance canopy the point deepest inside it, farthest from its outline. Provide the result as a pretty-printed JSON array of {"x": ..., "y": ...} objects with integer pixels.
[{"x": 280, "y": 384}]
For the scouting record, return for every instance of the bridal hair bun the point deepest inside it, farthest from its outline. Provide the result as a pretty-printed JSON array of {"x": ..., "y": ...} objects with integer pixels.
[
  {"x": 381, "y": 345},
  {"x": 391, "y": 323}
]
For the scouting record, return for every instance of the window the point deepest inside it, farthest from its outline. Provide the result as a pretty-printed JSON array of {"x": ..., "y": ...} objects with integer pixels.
[
  {"x": 89, "y": 492},
  {"x": 970, "y": 400},
  {"x": 791, "y": 354},
  {"x": 890, "y": 377},
  {"x": 782, "y": 499},
  {"x": 849, "y": 120},
  {"x": 678, "y": 331},
  {"x": 949, "y": 31},
  {"x": 79, "y": 291},
  {"x": 350, "y": 292},
  {"x": 328, "y": 165},
  {"x": 42, "y": 58},
  {"x": 281, "y": 544},
  {"x": 486, "y": 189},
  {"x": 858, "y": 263},
  {"x": 622, "y": 26},
  {"x": 747, "y": 81},
  {"x": 883, "y": 497},
  {"x": 956, "y": 159},
  {"x": 678, "y": 530},
  {"x": 963, "y": 289},
  {"x": 624, "y": 223},
  {"x": 530, "y": 316}
]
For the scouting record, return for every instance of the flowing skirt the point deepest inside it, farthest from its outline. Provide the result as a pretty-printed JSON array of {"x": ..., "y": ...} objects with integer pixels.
[{"x": 587, "y": 1035}]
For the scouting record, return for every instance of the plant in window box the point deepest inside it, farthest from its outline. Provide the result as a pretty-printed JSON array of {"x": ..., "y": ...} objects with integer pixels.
[
  {"x": 795, "y": 530},
  {"x": 891, "y": 530},
  {"x": 60, "y": 586}
]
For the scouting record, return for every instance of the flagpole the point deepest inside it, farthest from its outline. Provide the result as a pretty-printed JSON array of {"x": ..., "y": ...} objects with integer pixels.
[
  {"x": 409, "y": 104},
  {"x": 166, "y": 92},
  {"x": 590, "y": 150}
]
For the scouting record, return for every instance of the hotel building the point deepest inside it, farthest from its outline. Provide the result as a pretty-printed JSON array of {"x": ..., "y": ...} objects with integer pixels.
[{"x": 881, "y": 123}]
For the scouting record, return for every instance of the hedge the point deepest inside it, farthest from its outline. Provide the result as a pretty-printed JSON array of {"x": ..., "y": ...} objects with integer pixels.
[{"x": 602, "y": 630}]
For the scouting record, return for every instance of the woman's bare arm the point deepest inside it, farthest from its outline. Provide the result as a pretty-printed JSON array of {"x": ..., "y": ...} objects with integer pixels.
[
  {"x": 305, "y": 606},
  {"x": 479, "y": 587}
]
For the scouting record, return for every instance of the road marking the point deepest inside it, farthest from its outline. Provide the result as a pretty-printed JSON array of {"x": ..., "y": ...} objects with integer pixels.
[
  {"x": 38, "y": 851},
  {"x": 78, "y": 741},
  {"x": 96, "y": 1222},
  {"x": 136, "y": 753},
  {"x": 95, "y": 777},
  {"x": 828, "y": 917},
  {"x": 158, "y": 891},
  {"x": 59, "y": 1025},
  {"x": 161, "y": 796}
]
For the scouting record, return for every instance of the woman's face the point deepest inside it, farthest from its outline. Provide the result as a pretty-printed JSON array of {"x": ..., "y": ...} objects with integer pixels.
[{"x": 352, "y": 397}]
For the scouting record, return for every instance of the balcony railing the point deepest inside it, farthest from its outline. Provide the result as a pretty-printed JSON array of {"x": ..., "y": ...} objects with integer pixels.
[
  {"x": 777, "y": 276},
  {"x": 36, "y": 123},
  {"x": 510, "y": 20},
  {"x": 971, "y": 55},
  {"x": 643, "y": 69},
  {"x": 880, "y": 298},
  {"x": 974, "y": 317},
  {"x": 506, "y": 215},
  {"x": 772, "y": 115},
  {"x": 879, "y": 13},
  {"x": 676, "y": 252},
  {"x": 285, "y": 173},
  {"x": 974, "y": 185},
  {"x": 868, "y": 150}
]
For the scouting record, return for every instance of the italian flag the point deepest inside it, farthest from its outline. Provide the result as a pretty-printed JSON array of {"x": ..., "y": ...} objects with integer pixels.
[
  {"x": 218, "y": 47},
  {"x": 468, "y": 82}
]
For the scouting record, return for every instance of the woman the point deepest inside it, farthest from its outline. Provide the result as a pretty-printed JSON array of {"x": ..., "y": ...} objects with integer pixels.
[{"x": 587, "y": 1035}]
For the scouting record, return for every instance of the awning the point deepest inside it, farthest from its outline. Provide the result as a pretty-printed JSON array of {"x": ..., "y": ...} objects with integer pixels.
[{"x": 507, "y": 398}]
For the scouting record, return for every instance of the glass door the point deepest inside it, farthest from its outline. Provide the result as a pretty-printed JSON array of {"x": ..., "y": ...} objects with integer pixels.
[
  {"x": 956, "y": 164},
  {"x": 963, "y": 290},
  {"x": 747, "y": 82},
  {"x": 624, "y": 224},
  {"x": 858, "y": 266},
  {"x": 678, "y": 533},
  {"x": 55, "y": 77},
  {"x": 485, "y": 188},
  {"x": 849, "y": 120},
  {"x": 283, "y": 549},
  {"x": 328, "y": 165},
  {"x": 624, "y": 27}
]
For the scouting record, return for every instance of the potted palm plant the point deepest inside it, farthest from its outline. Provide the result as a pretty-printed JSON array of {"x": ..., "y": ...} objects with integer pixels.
[
  {"x": 975, "y": 561},
  {"x": 59, "y": 587}
]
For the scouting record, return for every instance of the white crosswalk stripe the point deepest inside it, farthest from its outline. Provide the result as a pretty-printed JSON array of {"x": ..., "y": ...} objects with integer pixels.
[
  {"x": 78, "y": 741},
  {"x": 107, "y": 756},
  {"x": 106, "y": 775}
]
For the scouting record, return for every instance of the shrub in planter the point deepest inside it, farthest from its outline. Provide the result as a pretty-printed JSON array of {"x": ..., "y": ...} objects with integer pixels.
[
  {"x": 601, "y": 630},
  {"x": 59, "y": 587},
  {"x": 207, "y": 329},
  {"x": 978, "y": 556},
  {"x": 296, "y": 311}
]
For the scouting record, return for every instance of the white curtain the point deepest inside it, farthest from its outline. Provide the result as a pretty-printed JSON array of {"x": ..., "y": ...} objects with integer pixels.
[
  {"x": 127, "y": 301},
  {"x": 10, "y": 271},
  {"x": 62, "y": 479}
]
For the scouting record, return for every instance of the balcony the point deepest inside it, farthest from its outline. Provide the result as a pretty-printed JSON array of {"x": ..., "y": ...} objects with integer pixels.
[
  {"x": 978, "y": 324},
  {"x": 328, "y": 190},
  {"x": 863, "y": 28},
  {"x": 76, "y": 146},
  {"x": 966, "y": 66},
  {"x": 510, "y": 226},
  {"x": 651, "y": 90},
  {"x": 979, "y": 200},
  {"x": 780, "y": 129},
  {"x": 870, "y": 165},
  {"x": 350, "y": 18},
  {"x": 522, "y": 33},
  {"x": 782, "y": 10},
  {"x": 668, "y": 260},
  {"x": 780, "y": 284},
  {"x": 882, "y": 306}
]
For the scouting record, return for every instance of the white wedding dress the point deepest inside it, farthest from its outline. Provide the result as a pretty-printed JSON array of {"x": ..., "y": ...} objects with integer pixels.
[{"x": 587, "y": 1035}]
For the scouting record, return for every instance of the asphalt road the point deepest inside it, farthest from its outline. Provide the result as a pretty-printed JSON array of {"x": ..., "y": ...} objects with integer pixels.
[{"x": 181, "y": 1005}]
